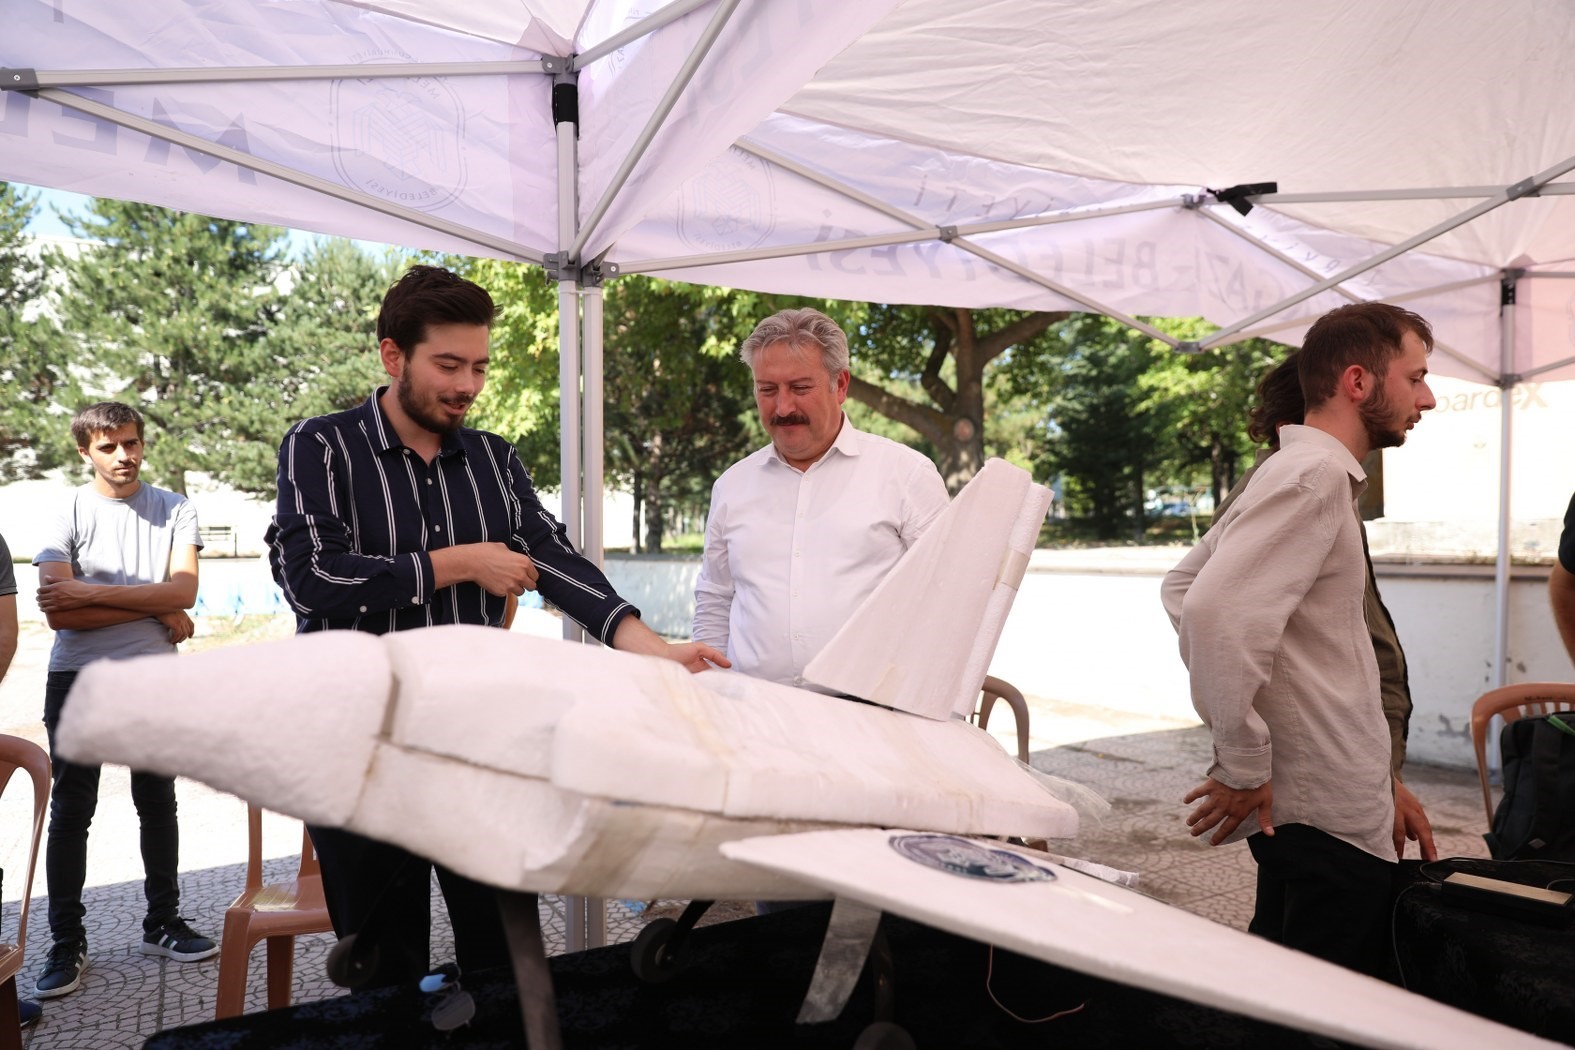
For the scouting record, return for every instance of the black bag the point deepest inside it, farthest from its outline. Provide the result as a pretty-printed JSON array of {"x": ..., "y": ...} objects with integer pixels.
[{"x": 1535, "y": 819}]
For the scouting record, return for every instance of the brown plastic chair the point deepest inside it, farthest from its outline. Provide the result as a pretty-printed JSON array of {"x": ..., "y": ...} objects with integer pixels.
[
  {"x": 994, "y": 689},
  {"x": 1511, "y": 702},
  {"x": 17, "y": 753},
  {"x": 278, "y": 913}
]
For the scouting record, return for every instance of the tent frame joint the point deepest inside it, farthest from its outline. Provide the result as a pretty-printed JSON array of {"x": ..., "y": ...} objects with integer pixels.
[
  {"x": 1240, "y": 196},
  {"x": 18, "y": 79},
  {"x": 560, "y": 267},
  {"x": 1526, "y": 187},
  {"x": 947, "y": 234},
  {"x": 1189, "y": 346}
]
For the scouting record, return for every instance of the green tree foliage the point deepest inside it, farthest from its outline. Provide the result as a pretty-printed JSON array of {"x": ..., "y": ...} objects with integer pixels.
[
  {"x": 217, "y": 336},
  {"x": 171, "y": 311},
  {"x": 1206, "y": 397},
  {"x": 1123, "y": 412},
  {"x": 946, "y": 353},
  {"x": 1100, "y": 432},
  {"x": 319, "y": 355},
  {"x": 676, "y": 397},
  {"x": 33, "y": 355}
]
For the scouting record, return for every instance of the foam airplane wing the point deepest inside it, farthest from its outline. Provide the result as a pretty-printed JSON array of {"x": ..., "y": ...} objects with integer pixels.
[
  {"x": 1018, "y": 900},
  {"x": 543, "y": 766}
]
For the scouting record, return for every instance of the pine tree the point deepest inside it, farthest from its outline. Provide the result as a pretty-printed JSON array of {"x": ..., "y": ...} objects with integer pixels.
[{"x": 34, "y": 357}]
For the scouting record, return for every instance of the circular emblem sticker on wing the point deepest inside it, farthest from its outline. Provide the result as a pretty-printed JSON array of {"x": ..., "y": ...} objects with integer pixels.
[{"x": 970, "y": 859}]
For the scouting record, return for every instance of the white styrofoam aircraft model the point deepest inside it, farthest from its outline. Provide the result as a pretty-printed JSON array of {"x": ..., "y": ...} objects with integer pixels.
[{"x": 539, "y": 766}]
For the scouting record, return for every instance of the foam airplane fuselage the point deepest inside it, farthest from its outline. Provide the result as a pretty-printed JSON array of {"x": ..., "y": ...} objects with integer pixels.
[{"x": 543, "y": 766}]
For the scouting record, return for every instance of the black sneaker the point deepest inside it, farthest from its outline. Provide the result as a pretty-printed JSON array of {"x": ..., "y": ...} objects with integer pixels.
[
  {"x": 175, "y": 940},
  {"x": 63, "y": 972},
  {"x": 29, "y": 1012}
]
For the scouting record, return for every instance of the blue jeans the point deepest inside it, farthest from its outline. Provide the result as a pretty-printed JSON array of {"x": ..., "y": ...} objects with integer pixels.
[{"x": 72, "y": 803}]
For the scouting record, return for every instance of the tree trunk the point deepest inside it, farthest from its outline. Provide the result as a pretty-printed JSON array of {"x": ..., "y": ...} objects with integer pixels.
[
  {"x": 1137, "y": 506},
  {"x": 655, "y": 519},
  {"x": 954, "y": 424},
  {"x": 634, "y": 525}
]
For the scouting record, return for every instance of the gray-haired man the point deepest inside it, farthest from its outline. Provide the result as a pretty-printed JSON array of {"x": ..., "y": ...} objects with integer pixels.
[{"x": 802, "y": 530}]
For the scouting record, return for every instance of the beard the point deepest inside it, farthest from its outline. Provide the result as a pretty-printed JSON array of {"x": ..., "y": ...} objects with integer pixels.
[
  {"x": 422, "y": 415},
  {"x": 1379, "y": 419}
]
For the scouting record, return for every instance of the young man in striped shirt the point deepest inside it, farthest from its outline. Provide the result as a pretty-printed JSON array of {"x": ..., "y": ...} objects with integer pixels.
[{"x": 393, "y": 516}]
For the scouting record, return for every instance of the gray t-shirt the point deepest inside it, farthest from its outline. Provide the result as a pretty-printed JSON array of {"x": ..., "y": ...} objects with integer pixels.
[
  {"x": 7, "y": 570},
  {"x": 119, "y": 542}
]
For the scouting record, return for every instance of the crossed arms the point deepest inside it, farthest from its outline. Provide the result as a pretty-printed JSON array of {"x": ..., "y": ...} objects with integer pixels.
[{"x": 72, "y": 604}]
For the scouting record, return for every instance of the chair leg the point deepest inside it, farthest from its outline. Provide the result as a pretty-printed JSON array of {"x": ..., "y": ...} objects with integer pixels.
[
  {"x": 234, "y": 956},
  {"x": 10, "y": 1018},
  {"x": 1020, "y": 712},
  {"x": 281, "y": 969}
]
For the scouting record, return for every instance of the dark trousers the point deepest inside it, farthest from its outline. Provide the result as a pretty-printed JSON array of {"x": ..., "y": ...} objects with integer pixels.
[
  {"x": 383, "y": 893},
  {"x": 72, "y": 803},
  {"x": 1323, "y": 896}
]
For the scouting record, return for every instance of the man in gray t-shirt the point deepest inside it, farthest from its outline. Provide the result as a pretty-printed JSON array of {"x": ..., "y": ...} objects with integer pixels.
[{"x": 117, "y": 572}]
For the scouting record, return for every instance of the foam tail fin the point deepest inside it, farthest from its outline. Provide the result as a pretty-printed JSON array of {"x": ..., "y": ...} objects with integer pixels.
[{"x": 966, "y": 568}]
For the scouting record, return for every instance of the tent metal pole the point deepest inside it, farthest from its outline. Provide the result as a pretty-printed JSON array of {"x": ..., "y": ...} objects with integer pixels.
[
  {"x": 1274, "y": 253},
  {"x": 1506, "y": 384},
  {"x": 504, "y": 247},
  {"x": 79, "y": 78},
  {"x": 592, "y": 423},
  {"x": 577, "y": 922},
  {"x": 644, "y": 27},
  {"x": 567, "y": 129},
  {"x": 1077, "y": 297},
  {"x": 1431, "y": 193},
  {"x": 1307, "y": 271},
  {"x": 963, "y": 230},
  {"x": 669, "y": 99},
  {"x": 685, "y": 262},
  {"x": 569, "y": 421},
  {"x": 1526, "y": 187},
  {"x": 1549, "y": 367}
]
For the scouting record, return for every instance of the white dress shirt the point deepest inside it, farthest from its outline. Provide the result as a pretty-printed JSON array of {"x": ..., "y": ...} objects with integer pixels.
[
  {"x": 790, "y": 554},
  {"x": 1270, "y": 608}
]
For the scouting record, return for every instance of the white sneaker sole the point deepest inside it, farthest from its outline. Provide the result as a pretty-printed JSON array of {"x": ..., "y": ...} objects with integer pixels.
[
  {"x": 171, "y": 953},
  {"x": 65, "y": 989}
]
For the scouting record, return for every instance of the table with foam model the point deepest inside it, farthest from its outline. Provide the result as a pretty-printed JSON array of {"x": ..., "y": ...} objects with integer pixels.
[{"x": 740, "y": 984}]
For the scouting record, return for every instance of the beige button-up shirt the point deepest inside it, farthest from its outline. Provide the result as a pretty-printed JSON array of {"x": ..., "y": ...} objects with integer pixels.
[{"x": 1269, "y": 610}]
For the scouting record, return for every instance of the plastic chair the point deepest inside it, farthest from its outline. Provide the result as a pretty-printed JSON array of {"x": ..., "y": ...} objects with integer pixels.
[
  {"x": 995, "y": 689},
  {"x": 278, "y": 913},
  {"x": 1511, "y": 702},
  {"x": 17, "y": 753}
]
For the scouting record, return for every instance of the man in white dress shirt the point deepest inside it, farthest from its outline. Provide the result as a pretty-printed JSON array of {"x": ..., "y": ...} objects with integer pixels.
[
  {"x": 1270, "y": 612},
  {"x": 801, "y": 531}
]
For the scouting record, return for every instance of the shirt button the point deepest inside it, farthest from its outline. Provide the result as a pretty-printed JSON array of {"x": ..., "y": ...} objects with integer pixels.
[
  {"x": 415, "y": 600},
  {"x": 437, "y": 528},
  {"x": 363, "y": 608},
  {"x": 798, "y": 679},
  {"x": 429, "y": 481}
]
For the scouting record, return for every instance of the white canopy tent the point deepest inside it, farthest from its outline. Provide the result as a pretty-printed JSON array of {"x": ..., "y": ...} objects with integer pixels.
[{"x": 1253, "y": 164}]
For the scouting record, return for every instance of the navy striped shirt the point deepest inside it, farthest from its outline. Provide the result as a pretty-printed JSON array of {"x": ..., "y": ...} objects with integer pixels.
[{"x": 358, "y": 511}]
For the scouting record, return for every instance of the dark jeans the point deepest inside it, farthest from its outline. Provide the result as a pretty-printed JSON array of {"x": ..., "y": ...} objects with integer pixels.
[
  {"x": 72, "y": 803},
  {"x": 1324, "y": 897},
  {"x": 383, "y": 893}
]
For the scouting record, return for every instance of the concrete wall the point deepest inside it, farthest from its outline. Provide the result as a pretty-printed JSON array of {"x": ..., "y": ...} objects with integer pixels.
[
  {"x": 1097, "y": 635},
  {"x": 1087, "y": 628}
]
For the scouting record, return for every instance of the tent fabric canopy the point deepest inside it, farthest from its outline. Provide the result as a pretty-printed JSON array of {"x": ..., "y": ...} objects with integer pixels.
[{"x": 1046, "y": 155}]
